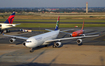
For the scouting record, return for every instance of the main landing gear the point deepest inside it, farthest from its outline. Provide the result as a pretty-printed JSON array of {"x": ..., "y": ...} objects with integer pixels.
[{"x": 4, "y": 31}]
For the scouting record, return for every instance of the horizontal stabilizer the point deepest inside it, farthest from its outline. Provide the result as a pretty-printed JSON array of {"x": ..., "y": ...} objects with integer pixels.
[
  {"x": 68, "y": 30},
  {"x": 49, "y": 30},
  {"x": 18, "y": 24},
  {"x": 65, "y": 32}
]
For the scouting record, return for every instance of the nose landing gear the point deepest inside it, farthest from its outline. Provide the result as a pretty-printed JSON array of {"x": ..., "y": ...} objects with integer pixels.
[{"x": 31, "y": 50}]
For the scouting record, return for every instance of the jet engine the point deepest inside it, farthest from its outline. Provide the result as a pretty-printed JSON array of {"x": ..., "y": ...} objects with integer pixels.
[
  {"x": 83, "y": 34},
  {"x": 0, "y": 25},
  {"x": 70, "y": 35},
  {"x": 24, "y": 43},
  {"x": 79, "y": 41},
  {"x": 12, "y": 40},
  {"x": 57, "y": 44}
]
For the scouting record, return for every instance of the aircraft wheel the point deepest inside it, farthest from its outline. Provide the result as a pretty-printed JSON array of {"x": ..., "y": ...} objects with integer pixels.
[
  {"x": 31, "y": 50},
  {"x": 54, "y": 46},
  {"x": 46, "y": 45},
  {"x": 7, "y": 31},
  {"x": 1, "y": 31}
]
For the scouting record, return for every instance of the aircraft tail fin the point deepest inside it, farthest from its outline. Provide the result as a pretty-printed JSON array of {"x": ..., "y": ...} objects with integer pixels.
[
  {"x": 57, "y": 24},
  {"x": 10, "y": 18},
  {"x": 82, "y": 26}
]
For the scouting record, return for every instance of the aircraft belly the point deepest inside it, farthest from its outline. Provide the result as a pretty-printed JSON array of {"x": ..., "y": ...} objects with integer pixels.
[
  {"x": 40, "y": 43},
  {"x": 46, "y": 43},
  {"x": 5, "y": 26},
  {"x": 45, "y": 37}
]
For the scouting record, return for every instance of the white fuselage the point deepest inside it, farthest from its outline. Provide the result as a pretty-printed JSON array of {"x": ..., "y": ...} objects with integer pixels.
[
  {"x": 5, "y": 26},
  {"x": 40, "y": 39}
]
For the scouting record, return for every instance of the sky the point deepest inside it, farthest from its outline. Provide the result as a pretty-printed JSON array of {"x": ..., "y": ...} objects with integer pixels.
[{"x": 51, "y": 3}]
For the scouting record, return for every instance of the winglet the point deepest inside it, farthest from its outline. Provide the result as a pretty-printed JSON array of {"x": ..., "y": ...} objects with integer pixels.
[
  {"x": 10, "y": 18},
  {"x": 82, "y": 26},
  {"x": 57, "y": 24}
]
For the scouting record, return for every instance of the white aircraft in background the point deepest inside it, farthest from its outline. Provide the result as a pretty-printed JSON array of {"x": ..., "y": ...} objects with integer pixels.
[
  {"x": 8, "y": 23},
  {"x": 45, "y": 38}
]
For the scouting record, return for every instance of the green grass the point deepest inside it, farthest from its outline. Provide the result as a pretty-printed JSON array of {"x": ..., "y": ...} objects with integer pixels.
[
  {"x": 65, "y": 20},
  {"x": 38, "y": 25},
  {"x": 70, "y": 20}
]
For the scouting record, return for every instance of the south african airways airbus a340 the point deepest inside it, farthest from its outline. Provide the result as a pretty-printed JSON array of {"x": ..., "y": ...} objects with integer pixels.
[{"x": 45, "y": 38}]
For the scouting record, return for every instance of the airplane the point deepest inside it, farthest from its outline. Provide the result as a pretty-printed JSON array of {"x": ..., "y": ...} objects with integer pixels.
[
  {"x": 8, "y": 23},
  {"x": 79, "y": 32},
  {"x": 45, "y": 38}
]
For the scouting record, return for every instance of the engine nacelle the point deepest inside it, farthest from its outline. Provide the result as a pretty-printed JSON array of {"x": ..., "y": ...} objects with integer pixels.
[
  {"x": 83, "y": 34},
  {"x": 24, "y": 43},
  {"x": 57, "y": 44},
  {"x": 79, "y": 41},
  {"x": 12, "y": 40},
  {"x": 0, "y": 25},
  {"x": 70, "y": 35}
]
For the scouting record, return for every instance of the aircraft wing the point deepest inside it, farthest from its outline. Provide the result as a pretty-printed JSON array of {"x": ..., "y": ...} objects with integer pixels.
[
  {"x": 93, "y": 33},
  {"x": 61, "y": 31},
  {"x": 65, "y": 32},
  {"x": 68, "y": 30},
  {"x": 49, "y": 30},
  {"x": 90, "y": 33},
  {"x": 16, "y": 37},
  {"x": 61, "y": 39}
]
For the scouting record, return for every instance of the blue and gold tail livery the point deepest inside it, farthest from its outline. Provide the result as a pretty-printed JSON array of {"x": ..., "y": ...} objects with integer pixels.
[
  {"x": 10, "y": 18},
  {"x": 57, "y": 24}
]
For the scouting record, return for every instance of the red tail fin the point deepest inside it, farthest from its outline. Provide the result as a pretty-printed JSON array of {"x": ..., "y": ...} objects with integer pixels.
[
  {"x": 10, "y": 18},
  {"x": 82, "y": 26}
]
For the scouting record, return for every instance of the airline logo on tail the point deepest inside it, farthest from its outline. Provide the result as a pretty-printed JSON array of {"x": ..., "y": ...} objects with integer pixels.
[
  {"x": 57, "y": 24},
  {"x": 10, "y": 18}
]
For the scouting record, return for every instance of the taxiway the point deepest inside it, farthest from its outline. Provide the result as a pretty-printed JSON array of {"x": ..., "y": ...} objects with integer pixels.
[{"x": 91, "y": 53}]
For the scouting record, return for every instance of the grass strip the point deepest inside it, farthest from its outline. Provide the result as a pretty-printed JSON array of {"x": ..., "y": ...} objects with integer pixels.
[
  {"x": 38, "y": 25},
  {"x": 53, "y": 20}
]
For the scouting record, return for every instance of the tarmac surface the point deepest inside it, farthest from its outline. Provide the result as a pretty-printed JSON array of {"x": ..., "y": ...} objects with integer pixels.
[{"x": 91, "y": 53}]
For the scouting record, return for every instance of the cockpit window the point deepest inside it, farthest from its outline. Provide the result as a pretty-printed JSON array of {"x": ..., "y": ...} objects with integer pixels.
[{"x": 28, "y": 41}]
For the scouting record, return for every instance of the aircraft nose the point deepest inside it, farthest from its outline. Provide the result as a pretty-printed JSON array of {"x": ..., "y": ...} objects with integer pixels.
[
  {"x": 30, "y": 44},
  {"x": 26, "y": 43},
  {"x": 74, "y": 34},
  {"x": 70, "y": 35}
]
